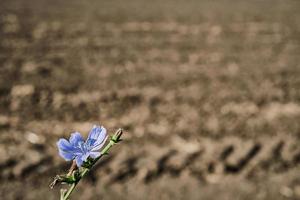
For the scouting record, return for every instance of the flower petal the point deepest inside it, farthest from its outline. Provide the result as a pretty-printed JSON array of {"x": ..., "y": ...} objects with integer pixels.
[
  {"x": 99, "y": 146},
  {"x": 76, "y": 138},
  {"x": 85, "y": 156},
  {"x": 96, "y": 136},
  {"x": 79, "y": 161},
  {"x": 94, "y": 154},
  {"x": 64, "y": 145},
  {"x": 66, "y": 155}
]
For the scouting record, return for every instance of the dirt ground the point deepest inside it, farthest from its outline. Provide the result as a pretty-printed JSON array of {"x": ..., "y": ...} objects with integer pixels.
[{"x": 208, "y": 93}]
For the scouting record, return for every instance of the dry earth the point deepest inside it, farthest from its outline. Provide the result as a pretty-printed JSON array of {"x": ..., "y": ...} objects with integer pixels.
[{"x": 207, "y": 91}]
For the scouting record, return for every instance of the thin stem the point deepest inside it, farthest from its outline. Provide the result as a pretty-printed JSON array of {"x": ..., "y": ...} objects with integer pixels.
[
  {"x": 62, "y": 194},
  {"x": 113, "y": 140},
  {"x": 70, "y": 190}
]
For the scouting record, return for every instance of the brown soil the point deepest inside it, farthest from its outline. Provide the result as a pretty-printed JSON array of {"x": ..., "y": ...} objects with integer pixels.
[{"x": 208, "y": 94}]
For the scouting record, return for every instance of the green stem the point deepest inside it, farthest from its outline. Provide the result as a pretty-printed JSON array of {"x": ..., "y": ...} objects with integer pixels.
[
  {"x": 113, "y": 140},
  {"x": 62, "y": 194},
  {"x": 70, "y": 190}
]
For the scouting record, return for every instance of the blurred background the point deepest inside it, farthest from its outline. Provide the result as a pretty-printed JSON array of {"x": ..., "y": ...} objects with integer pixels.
[{"x": 208, "y": 93}]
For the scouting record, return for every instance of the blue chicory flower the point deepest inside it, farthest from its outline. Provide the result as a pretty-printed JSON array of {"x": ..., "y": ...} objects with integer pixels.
[{"x": 78, "y": 149}]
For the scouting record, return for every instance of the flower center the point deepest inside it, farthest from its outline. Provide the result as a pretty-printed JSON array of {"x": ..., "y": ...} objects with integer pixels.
[{"x": 83, "y": 147}]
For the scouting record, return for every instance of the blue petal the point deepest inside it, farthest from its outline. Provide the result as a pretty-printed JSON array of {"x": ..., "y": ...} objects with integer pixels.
[
  {"x": 76, "y": 138},
  {"x": 79, "y": 161},
  {"x": 66, "y": 155},
  {"x": 64, "y": 145},
  {"x": 85, "y": 156},
  {"x": 98, "y": 146},
  {"x": 96, "y": 137},
  {"x": 94, "y": 154}
]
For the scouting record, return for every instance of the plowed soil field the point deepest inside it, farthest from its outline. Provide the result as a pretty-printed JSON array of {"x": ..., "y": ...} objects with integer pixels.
[{"x": 208, "y": 93}]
